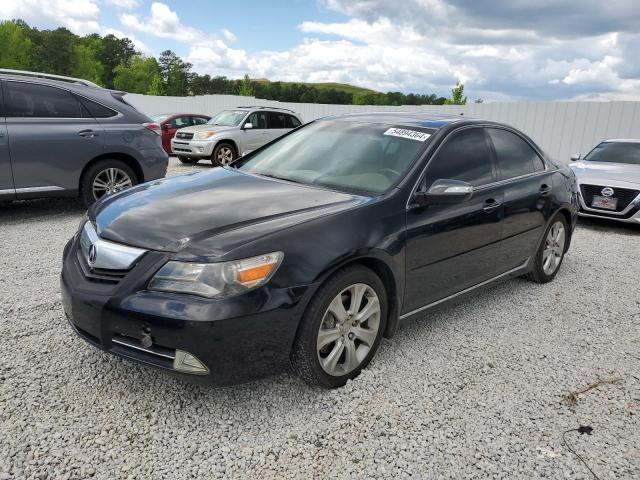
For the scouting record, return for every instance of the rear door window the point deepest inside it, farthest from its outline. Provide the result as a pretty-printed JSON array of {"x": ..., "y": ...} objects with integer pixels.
[
  {"x": 464, "y": 156},
  {"x": 292, "y": 122},
  {"x": 277, "y": 120},
  {"x": 514, "y": 155},
  {"x": 30, "y": 100}
]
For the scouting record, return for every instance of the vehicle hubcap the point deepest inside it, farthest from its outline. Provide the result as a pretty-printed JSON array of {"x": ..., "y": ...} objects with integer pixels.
[
  {"x": 225, "y": 155},
  {"x": 110, "y": 180},
  {"x": 553, "y": 248},
  {"x": 348, "y": 329}
]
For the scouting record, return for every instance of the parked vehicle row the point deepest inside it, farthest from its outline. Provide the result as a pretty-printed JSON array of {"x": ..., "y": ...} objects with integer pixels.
[
  {"x": 338, "y": 230},
  {"x": 232, "y": 133},
  {"x": 61, "y": 136},
  {"x": 170, "y": 123},
  {"x": 609, "y": 179}
]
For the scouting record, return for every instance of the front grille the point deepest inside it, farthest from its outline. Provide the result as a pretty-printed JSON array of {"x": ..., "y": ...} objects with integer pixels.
[
  {"x": 99, "y": 275},
  {"x": 624, "y": 195},
  {"x": 184, "y": 135}
]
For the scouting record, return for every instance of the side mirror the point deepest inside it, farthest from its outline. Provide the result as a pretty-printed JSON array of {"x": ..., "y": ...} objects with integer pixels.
[
  {"x": 575, "y": 157},
  {"x": 445, "y": 191},
  {"x": 248, "y": 126}
]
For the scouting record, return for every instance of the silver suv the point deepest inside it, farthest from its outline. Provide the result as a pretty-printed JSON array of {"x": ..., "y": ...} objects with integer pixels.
[
  {"x": 233, "y": 133},
  {"x": 62, "y": 136}
]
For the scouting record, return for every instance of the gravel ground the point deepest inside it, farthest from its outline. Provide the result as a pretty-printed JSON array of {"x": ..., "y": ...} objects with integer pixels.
[{"x": 474, "y": 390}]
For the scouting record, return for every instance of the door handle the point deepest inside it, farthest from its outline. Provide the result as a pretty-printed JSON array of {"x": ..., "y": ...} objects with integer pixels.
[
  {"x": 87, "y": 133},
  {"x": 545, "y": 189},
  {"x": 491, "y": 205}
]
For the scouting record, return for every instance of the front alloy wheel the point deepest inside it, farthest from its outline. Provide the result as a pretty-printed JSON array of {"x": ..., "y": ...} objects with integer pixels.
[
  {"x": 223, "y": 154},
  {"x": 349, "y": 329}
]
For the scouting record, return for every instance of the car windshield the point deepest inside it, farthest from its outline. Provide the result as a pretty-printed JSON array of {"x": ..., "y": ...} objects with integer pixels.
[
  {"x": 343, "y": 155},
  {"x": 616, "y": 152},
  {"x": 228, "y": 118},
  {"x": 159, "y": 118}
]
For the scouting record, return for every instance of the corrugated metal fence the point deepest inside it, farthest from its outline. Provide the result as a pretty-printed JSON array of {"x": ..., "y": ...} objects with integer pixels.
[{"x": 560, "y": 128}]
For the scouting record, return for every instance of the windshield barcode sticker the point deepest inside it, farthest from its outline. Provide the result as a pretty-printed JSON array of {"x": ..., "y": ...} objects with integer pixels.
[{"x": 410, "y": 134}]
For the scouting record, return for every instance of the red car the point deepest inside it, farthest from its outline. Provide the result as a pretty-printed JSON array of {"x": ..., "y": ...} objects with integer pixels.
[{"x": 170, "y": 122}]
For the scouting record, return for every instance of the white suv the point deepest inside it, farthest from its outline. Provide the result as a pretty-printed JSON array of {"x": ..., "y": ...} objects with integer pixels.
[{"x": 232, "y": 133}]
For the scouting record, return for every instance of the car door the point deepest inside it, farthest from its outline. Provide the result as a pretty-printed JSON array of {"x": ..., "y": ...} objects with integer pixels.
[
  {"x": 52, "y": 137},
  {"x": 277, "y": 125},
  {"x": 258, "y": 134},
  {"x": 7, "y": 190},
  {"x": 452, "y": 247},
  {"x": 527, "y": 194},
  {"x": 172, "y": 126}
]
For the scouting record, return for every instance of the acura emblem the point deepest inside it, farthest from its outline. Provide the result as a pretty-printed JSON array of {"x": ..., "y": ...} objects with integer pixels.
[
  {"x": 93, "y": 254},
  {"x": 607, "y": 191}
]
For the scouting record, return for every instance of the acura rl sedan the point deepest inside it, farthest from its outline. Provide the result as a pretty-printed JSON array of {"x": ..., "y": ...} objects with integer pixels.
[
  {"x": 609, "y": 181},
  {"x": 338, "y": 231}
]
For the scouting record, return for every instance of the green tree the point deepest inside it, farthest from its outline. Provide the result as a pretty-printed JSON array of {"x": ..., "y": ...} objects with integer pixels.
[
  {"x": 16, "y": 46},
  {"x": 157, "y": 86},
  {"x": 56, "y": 53},
  {"x": 457, "y": 95},
  {"x": 139, "y": 76},
  {"x": 87, "y": 62},
  {"x": 246, "y": 87},
  {"x": 175, "y": 73}
]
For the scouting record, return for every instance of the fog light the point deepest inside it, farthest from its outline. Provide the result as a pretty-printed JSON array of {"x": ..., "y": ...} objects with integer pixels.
[
  {"x": 200, "y": 149},
  {"x": 185, "y": 362}
]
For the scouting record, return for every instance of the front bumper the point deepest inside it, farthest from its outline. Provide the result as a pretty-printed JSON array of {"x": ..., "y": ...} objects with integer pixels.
[
  {"x": 237, "y": 339},
  {"x": 192, "y": 148}
]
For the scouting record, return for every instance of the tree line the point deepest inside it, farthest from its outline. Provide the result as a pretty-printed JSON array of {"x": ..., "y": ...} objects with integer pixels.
[{"x": 115, "y": 63}]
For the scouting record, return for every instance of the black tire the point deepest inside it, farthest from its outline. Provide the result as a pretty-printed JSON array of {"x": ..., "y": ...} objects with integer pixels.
[
  {"x": 538, "y": 273},
  {"x": 188, "y": 160},
  {"x": 304, "y": 355},
  {"x": 88, "y": 177},
  {"x": 216, "y": 153}
]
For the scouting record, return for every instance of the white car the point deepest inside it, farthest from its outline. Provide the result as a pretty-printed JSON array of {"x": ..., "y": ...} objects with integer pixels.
[
  {"x": 232, "y": 133},
  {"x": 609, "y": 180}
]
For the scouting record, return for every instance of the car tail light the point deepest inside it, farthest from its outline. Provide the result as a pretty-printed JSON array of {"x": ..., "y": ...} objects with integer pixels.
[{"x": 154, "y": 127}]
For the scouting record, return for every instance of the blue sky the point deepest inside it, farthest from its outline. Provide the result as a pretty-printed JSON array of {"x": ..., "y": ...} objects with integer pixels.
[{"x": 500, "y": 49}]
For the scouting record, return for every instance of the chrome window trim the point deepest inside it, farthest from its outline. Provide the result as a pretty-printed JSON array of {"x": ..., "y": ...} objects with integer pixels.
[
  {"x": 632, "y": 203},
  {"x": 119, "y": 114},
  {"x": 109, "y": 255},
  {"x": 8, "y": 190},
  {"x": 466, "y": 290}
]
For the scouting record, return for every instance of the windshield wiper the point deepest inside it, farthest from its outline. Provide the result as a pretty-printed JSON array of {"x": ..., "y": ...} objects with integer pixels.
[{"x": 286, "y": 179}]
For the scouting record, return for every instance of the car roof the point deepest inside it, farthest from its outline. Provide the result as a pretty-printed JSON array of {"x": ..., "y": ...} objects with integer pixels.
[
  {"x": 416, "y": 119},
  {"x": 68, "y": 84},
  {"x": 622, "y": 140}
]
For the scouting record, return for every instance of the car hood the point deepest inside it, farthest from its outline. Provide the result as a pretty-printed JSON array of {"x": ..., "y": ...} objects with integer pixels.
[
  {"x": 209, "y": 214},
  {"x": 199, "y": 128},
  {"x": 611, "y": 174}
]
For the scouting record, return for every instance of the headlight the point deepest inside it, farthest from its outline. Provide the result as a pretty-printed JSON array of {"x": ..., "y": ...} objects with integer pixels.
[
  {"x": 203, "y": 135},
  {"x": 216, "y": 280}
]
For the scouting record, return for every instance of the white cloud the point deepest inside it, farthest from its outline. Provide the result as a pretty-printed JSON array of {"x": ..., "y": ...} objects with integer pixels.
[
  {"x": 163, "y": 22},
  {"x": 79, "y": 16},
  {"x": 229, "y": 36},
  {"x": 124, "y": 4}
]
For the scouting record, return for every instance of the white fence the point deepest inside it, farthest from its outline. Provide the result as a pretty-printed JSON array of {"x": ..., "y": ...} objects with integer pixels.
[{"x": 560, "y": 128}]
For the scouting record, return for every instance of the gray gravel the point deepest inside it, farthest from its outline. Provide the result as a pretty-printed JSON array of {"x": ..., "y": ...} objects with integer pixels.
[{"x": 474, "y": 390}]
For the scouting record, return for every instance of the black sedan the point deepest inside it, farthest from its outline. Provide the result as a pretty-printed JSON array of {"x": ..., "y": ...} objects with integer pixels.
[{"x": 309, "y": 250}]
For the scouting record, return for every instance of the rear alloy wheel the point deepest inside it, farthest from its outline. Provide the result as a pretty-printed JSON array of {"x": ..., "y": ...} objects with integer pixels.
[
  {"x": 551, "y": 251},
  {"x": 341, "y": 329},
  {"x": 223, "y": 154},
  {"x": 105, "y": 178}
]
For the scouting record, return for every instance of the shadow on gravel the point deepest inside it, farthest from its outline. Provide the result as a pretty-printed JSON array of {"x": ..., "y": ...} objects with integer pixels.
[
  {"x": 40, "y": 208},
  {"x": 605, "y": 225}
]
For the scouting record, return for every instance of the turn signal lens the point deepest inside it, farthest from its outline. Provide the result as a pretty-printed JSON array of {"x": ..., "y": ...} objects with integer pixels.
[{"x": 251, "y": 276}]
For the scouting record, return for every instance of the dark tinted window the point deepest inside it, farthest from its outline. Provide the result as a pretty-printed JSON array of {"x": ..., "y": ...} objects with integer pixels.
[
  {"x": 464, "y": 156},
  {"x": 199, "y": 120},
  {"x": 515, "y": 156},
  {"x": 292, "y": 122},
  {"x": 258, "y": 120},
  {"x": 180, "y": 122},
  {"x": 40, "y": 101},
  {"x": 617, "y": 152},
  {"x": 277, "y": 120},
  {"x": 96, "y": 110}
]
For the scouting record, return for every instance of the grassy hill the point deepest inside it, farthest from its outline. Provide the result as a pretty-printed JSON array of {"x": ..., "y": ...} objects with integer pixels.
[{"x": 341, "y": 87}]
